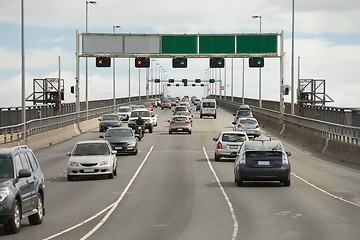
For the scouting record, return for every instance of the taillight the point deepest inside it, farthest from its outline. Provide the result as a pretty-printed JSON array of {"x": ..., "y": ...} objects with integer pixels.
[
  {"x": 257, "y": 125},
  {"x": 173, "y": 121},
  {"x": 238, "y": 126},
  {"x": 219, "y": 145},
  {"x": 285, "y": 160},
  {"x": 242, "y": 159},
  {"x": 187, "y": 122}
]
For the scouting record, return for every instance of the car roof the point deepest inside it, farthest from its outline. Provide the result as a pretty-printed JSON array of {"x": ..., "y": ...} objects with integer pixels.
[
  {"x": 92, "y": 141},
  {"x": 233, "y": 132},
  {"x": 9, "y": 150},
  {"x": 140, "y": 110}
]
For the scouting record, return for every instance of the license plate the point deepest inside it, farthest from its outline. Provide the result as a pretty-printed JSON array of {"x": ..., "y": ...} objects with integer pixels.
[
  {"x": 233, "y": 147},
  {"x": 180, "y": 129},
  {"x": 118, "y": 148},
  {"x": 233, "y": 153},
  {"x": 89, "y": 170},
  {"x": 263, "y": 163}
]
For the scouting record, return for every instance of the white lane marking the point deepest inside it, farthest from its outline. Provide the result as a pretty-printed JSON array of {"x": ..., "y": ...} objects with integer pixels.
[
  {"x": 324, "y": 191},
  {"x": 233, "y": 216},
  {"x": 112, "y": 207}
]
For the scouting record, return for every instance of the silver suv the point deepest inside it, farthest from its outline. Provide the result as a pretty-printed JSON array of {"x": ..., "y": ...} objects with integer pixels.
[{"x": 21, "y": 188}]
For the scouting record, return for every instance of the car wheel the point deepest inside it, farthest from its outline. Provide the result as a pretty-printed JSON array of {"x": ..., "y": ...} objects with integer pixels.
[
  {"x": 70, "y": 178},
  {"x": 239, "y": 182},
  {"x": 200, "y": 115},
  {"x": 37, "y": 218},
  {"x": 115, "y": 171},
  {"x": 189, "y": 132},
  {"x": 286, "y": 183},
  {"x": 170, "y": 132},
  {"x": 150, "y": 130},
  {"x": 136, "y": 152},
  {"x": 111, "y": 175},
  {"x": 14, "y": 224},
  {"x": 217, "y": 157},
  {"x": 214, "y": 116}
]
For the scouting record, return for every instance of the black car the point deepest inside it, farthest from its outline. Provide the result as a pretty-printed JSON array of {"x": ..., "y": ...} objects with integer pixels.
[
  {"x": 264, "y": 160},
  {"x": 122, "y": 139},
  {"x": 21, "y": 188},
  {"x": 108, "y": 121}
]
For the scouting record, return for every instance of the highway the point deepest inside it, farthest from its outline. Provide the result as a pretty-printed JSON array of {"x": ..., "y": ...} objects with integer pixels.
[{"x": 173, "y": 189}]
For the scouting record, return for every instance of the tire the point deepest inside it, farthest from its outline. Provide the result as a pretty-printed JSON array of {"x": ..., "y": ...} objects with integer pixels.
[
  {"x": 214, "y": 116},
  {"x": 111, "y": 175},
  {"x": 286, "y": 183},
  {"x": 239, "y": 182},
  {"x": 170, "y": 132},
  {"x": 115, "y": 172},
  {"x": 150, "y": 130},
  {"x": 217, "y": 158},
  {"x": 70, "y": 178},
  {"x": 201, "y": 115},
  {"x": 14, "y": 224},
  {"x": 136, "y": 152},
  {"x": 37, "y": 218}
]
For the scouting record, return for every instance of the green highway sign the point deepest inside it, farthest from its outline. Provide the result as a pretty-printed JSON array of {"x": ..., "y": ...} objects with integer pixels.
[
  {"x": 256, "y": 44},
  {"x": 216, "y": 44},
  {"x": 179, "y": 44}
]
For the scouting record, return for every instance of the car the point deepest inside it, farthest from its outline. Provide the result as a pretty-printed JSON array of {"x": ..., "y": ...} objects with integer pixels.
[
  {"x": 262, "y": 161},
  {"x": 153, "y": 102},
  {"x": 122, "y": 140},
  {"x": 197, "y": 101},
  {"x": 144, "y": 114},
  {"x": 180, "y": 124},
  {"x": 185, "y": 103},
  {"x": 154, "y": 118},
  {"x": 180, "y": 109},
  {"x": 173, "y": 101},
  {"x": 158, "y": 102},
  {"x": 21, "y": 188},
  {"x": 228, "y": 144},
  {"x": 208, "y": 107},
  {"x": 149, "y": 106},
  {"x": 109, "y": 120},
  {"x": 184, "y": 113},
  {"x": 242, "y": 113},
  {"x": 165, "y": 104},
  {"x": 124, "y": 112},
  {"x": 91, "y": 158},
  {"x": 248, "y": 125}
]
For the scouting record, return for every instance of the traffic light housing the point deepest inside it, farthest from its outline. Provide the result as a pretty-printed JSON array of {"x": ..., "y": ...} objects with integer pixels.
[
  {"x": 194, "y": 85},
  {"x": 142, "y": 62},
  {"x": 168, "y": 84},
  {"x": 179, "y": 62},
  {"x": 286, "y": 89},
  {"x": 217, "y": 62},
  {"x": 103, "y": 62},
  {"x": 171, "y": 80},
  {"x": 212, "y": 80},
  {"x": 256, "y": 62},
  {"x": 177, "y": 85},
  {"x": 157, "y": 80},
  {"x": 202, "y": 85},
  {"x": 197, "y": 80}
]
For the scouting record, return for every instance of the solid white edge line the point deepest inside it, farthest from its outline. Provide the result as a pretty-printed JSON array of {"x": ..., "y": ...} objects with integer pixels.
[
  {"x": 326, "y": 192},
  {"x": 112, "y": 207},
  {"x": 233, "y": 216}
]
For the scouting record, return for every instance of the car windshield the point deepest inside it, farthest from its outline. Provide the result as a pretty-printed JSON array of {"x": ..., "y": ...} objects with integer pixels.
[
  {"x": 140, "y": 113},
  {"x": 233, "y": 138},
  {"x": 110, "y": 117},
  {"x": 119, "y": 133},
  {"x": 208, "y": 104},
  {"x": 6, "y": 168},
  {"x": 85, "y": 149},
  {"x": 124, "y": 110}
]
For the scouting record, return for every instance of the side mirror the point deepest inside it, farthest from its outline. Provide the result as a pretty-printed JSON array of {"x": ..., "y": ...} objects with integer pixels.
[
  {"x": 102, "y": 136},
  {"x": 233, "y": 123},
  {"x": 68, "y": 154},
  {"x": 113, "y": 152},
  {"x": 234, "y": 114},
  {"x": 288, "y": 154},
  {"x": 215, "y": 139},
  {"x": 24, "y": 173},
  {"x": 168, "y": 121}
]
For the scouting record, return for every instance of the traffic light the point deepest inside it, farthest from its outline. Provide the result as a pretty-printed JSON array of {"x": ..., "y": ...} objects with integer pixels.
[
  {"x": 168, "y": 84},
  {"x": 157, "y": 80},
  {"x": 179, "y": 62},
  {"x": 142, "y": 62},
  {"x": 212, "y": 80},
  {"x": 171, "y": 80},
  {"x": 184, "y": 81},
  {"x": 202, "y": 85},
  {"x": 217, "y": 62},
  {"x": 286, "y": 90},
  {"x": 103, "y": 62},
  {"x": 256, "y": 62},
  {"x": 177, "y": 85},
  {"x": 194, "y": 85},
  {"x": 197, "y": 80}
]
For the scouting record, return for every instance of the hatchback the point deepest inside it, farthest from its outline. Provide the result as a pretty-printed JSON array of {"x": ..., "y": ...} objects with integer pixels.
[
  {"x": 248, "y": 125},
  {"x": 108, "y": 121},
  {"x": 180, "y": 124},
  {"x": 262, "y": 161},
  {"x": 92, "y": 157},
  {"x": 228, "y": 144},
  {"x": 242, "y": 113},
  {"x": 122, "y": 140}
]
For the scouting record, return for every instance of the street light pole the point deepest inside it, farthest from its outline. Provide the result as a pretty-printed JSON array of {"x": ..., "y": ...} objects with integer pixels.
[
  {"x": 292, "y": 60},
  {"x": 86, "y": 61},
  {"x": 260, "y": 100},
  {"x": 114, "y": 76},
  {"x": 23, "y": 105}
]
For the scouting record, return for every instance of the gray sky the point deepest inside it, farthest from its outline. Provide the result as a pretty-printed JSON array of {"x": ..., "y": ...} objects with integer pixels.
[{"x": 327, "y": 38}]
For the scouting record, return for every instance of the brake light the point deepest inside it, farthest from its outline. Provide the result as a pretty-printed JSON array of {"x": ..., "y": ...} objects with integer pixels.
[
  {"x": 285, "y": 160},
  {"x": 257, "y": 125},
  {"x": 219, "y": 145},
  {"x": 239, "y": 126},
  {"x": 187, "y": 122},
  {"x": 242, "y": 159},
  {"x": 173, "y": 121}
]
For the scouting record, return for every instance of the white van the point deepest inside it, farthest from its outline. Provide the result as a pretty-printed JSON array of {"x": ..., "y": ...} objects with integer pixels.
[{"x": 208, "y": 107}]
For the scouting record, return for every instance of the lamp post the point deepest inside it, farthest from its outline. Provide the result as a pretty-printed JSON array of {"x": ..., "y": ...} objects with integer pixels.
[
  {"x": 152, "y": 77},
  {"x": 86, "y": 61},
  {"x": 23, "y": 105},
  {"x": 292, "y": 60},
  {"x": 260, "y": 100},
  {"x": 114, "y": 61}
]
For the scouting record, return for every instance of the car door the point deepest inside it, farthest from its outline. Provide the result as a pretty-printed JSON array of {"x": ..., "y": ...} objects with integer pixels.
[{"x": 25, "y": 185}]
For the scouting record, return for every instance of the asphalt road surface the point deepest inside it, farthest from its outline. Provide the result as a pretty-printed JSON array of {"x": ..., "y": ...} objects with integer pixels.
[{"x": 173, "y": 189}]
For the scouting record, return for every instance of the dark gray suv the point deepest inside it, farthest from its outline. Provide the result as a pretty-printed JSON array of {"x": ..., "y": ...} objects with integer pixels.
[{"x": 21, "y": 188}]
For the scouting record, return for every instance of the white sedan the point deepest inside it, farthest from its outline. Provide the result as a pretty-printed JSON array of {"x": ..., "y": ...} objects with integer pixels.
[{"x": 92, "y": 157}]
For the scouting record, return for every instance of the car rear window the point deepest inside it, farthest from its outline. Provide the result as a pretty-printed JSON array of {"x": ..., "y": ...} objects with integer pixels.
[
  {"x": 208, "y": 104},
  {"x": 124, "y": 110},
  {"x": 248, "y": 121},
  {"x": 140, "y": 113},
  {"x": 233, "y": 138},
  {"x": 243, "y": 113},
  {"x": 110, "y": 117},
  {"x": 263, "y": 155},
  {"x": 178, "y": 119},
  {"x": 119, "y": 133}
]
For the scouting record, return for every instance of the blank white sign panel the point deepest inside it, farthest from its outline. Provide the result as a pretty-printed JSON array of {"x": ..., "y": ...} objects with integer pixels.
[{"x": 142, "y": 44}]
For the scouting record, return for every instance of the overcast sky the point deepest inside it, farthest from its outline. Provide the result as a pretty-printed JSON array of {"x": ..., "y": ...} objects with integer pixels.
[{"x": 327, "y": 40}]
